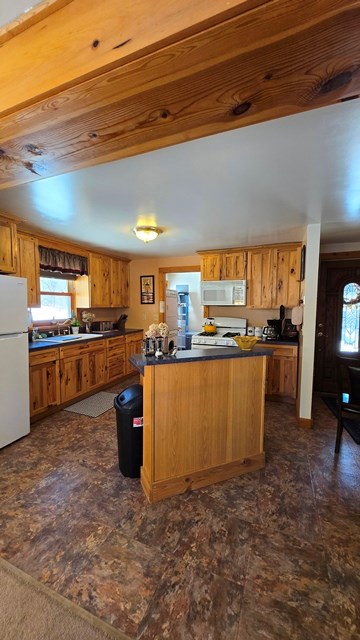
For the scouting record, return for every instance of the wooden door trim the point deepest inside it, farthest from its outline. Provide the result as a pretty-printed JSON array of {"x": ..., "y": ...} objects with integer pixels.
[{"x": 345, "y": 255}]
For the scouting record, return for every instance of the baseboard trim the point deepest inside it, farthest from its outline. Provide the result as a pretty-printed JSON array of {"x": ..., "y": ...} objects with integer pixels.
[{"x": 305, "y": 423}]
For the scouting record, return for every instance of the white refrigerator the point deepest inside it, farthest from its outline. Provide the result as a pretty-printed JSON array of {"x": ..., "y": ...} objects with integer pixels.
[{"x": 14, "y": 360}]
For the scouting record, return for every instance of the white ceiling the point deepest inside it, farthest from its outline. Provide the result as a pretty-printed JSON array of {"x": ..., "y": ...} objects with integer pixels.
[{"x": 259, "y": 184}]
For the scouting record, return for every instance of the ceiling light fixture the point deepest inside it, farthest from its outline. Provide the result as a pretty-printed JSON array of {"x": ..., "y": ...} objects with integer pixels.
[{"x": 147, "y": 233}]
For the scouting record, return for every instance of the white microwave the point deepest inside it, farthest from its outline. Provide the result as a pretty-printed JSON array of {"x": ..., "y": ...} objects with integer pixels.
[{"x": 223, "y": 293}]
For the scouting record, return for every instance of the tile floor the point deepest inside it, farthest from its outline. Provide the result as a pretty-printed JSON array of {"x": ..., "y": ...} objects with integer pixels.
[{"x": 270, "y": 555}]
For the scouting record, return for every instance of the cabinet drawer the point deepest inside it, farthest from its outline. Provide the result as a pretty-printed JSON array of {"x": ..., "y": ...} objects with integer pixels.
[
  {"x": 46, "y": 355},
  {"x": 116, "y": 365},
  {"x": 82, "y": 347},
  {"x": 134, "y": 337},
  {"x": 113, "y": 344}
]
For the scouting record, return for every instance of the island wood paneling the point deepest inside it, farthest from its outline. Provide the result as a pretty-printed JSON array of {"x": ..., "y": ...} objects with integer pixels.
[
  {"x": 164, "y": 74},
  {"x": 203, "y": 422}
]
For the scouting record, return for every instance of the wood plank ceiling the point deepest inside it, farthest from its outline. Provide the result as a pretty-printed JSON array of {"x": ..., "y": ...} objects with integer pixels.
[{"x": 85, "y": 83}]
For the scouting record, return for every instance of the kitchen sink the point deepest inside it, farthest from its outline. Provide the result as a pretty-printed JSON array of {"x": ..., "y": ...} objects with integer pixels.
[{"x": 71, "y": 338}]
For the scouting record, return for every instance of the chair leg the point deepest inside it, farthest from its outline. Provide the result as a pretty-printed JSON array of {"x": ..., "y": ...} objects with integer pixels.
[{"x": 338, "y": 435}]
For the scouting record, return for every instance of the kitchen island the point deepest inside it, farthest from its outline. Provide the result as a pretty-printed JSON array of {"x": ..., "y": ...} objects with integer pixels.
[{"x": 203, "y": 418}]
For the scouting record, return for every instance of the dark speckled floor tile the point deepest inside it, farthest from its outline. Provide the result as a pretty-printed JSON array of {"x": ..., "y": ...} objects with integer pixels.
[
  {"x": 272, "y": 554},
  {"x": 294, "y": 601},
  {"x": 192, "y": 603},
  {"x": 217, "y": 542},
  {"x": 119, "y": 581}
]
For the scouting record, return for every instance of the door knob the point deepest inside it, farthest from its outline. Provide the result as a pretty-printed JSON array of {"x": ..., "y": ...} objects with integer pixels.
[{"x": 321, "y": 335}]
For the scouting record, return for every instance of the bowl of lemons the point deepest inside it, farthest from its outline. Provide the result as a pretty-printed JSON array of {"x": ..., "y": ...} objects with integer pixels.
[{"x": 246, "y": 343}]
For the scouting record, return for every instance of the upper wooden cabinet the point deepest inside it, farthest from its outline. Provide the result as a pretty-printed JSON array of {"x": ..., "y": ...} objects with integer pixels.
[
  {"x": 260, "y": 278},
  {"x": 274, "y": 276},
  {"x": 234, "y": 266},
  {"x": 99, "y": 275},
  {"x": 109, "y": 281},
  {"x": 119, "y": 280},
  {"x": 8, "y": 246},
  {"x": 211, "y": 266},
  {"x": 29, "y": 267},
  {"x": 224, "y": 266},
  {"x": 286, "y": 286}
]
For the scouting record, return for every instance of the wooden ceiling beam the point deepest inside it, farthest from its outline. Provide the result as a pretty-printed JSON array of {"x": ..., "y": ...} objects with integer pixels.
[{"x": 261, "y": 60}]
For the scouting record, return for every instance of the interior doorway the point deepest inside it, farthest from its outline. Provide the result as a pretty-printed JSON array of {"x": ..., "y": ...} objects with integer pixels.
[
  {"x": 337, "y": 319},
  {"x": 186, "y": 282}
]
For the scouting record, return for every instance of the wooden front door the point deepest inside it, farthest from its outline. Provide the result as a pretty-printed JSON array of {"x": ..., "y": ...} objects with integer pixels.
[{"x": 333, "y": 276}]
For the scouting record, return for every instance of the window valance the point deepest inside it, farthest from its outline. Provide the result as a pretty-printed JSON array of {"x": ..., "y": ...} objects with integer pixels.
[{"x": 54, "y": 261}]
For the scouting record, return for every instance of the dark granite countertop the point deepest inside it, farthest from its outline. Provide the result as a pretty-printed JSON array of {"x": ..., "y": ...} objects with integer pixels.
[
  {"x": 37, "y": 345},
  {"x": 195, "y": 355}
]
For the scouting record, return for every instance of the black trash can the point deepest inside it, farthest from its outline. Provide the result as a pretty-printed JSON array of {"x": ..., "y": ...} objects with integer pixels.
[{"x": 129, "y": 411}]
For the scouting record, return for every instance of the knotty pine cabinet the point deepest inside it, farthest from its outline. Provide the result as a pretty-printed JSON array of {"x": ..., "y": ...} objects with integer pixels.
[
  {"x": 260, "y": 278},
  {"x": 82, "y": 368},
  {"x": 286, "y": 285},
  {"x": 109, "y": 281},
  {"x": 133, "y": 345},
  {"x": 274, "y": 276},
  {"x": 29, "y": 267},
  {"x": 44, "y": 380},
  {"x": 8, "y": 246},
  {"x": 281, "y": 374},
  {"x": 99, "y": 277},
  {"x": 224, "y": 266},
  {"x": 119, "y": 279},
  {"x": 116, "y": 357}
]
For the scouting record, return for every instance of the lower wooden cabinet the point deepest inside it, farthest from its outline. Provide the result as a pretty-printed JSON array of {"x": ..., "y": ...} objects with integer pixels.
[
  {"x": 44, "y": 380},
  {"x": 82, "y": 368},
  {"x": 115, "y": 357},
  {"x": 133, "y": 345},
  {"x": 61, "y": 374},
  {"x": 281, "y": 376}
]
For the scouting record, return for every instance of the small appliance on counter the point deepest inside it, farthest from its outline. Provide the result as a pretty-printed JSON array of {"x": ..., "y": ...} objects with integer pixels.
[
  {"x": 289, "y": 332},
  {"x": 120, "y": 324}
]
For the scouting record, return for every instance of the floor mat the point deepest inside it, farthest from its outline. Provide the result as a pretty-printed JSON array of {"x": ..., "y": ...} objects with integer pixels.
[
  {"x": 351, "y": 426},
  {"x": 95, "y": 405}
]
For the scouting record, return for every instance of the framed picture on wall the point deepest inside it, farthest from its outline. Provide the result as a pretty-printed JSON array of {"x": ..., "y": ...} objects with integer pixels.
[{"x": 147, "y": 290}]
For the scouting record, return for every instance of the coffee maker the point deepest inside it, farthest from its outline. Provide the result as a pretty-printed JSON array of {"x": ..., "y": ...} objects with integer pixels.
[{"x": 272, "y": 330}]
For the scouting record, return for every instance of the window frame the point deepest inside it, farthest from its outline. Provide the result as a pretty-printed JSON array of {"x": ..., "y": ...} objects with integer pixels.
[{"x": 69, "y": 294}]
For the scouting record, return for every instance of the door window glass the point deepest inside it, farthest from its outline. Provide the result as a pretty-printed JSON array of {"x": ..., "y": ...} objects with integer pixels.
[{"x": 350, "y": 318}]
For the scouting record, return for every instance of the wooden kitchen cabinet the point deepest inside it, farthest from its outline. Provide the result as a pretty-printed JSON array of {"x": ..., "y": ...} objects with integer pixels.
[
  {"x": 281, "y": 375},
  {"x": 231, "y": 265},
  {"x": 234, "y": 266},
  {"x": 29, "y": 267},
  {"x": 211, "y": 266},
  {"x": 286, "y": 281},
  {"x": 8, "y": 246},
  {"x": 99, "y": 276},
  {"x": 260, "y": 278},
  {"x": 44, "y": 380},
  {"x": 119, "y": 283},
  {"x": 274, "y": 276},
  {"x": 133, "y": 345},
  {"x": 116, "y": 357},
  {"x": 82, "y": 368}
]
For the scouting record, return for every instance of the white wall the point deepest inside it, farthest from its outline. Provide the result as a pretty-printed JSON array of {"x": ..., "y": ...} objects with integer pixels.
[
  {"x": 309, "y": 294},
  {"x": 192, "y": 279}
]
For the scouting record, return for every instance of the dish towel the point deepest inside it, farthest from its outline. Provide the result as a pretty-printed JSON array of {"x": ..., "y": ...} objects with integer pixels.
[{"x": 297, "y": 315}]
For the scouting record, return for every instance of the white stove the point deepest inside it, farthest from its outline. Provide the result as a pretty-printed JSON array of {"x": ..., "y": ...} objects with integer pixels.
[{"x": 226, "y": 329}]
